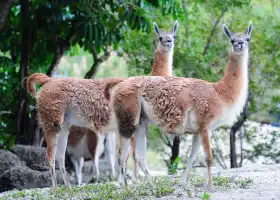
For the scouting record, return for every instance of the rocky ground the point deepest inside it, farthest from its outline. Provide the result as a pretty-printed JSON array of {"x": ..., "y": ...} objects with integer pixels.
[
  {"x": 253, "y": 182},
  {"x": 25, "y": 167}
]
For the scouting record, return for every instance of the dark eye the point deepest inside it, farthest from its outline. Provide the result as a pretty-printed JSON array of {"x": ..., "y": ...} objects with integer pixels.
[
  {"x": 232, "y": 41},
  {"x": 160, "y": 38},
  {"x": 169, "y": 41},
  {"x": 248, "y": 39},
  {"x": 174, "y": 37}
]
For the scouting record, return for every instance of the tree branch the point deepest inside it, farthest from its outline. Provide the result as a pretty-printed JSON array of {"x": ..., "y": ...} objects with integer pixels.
[
  {"x": 96, "y": 61},
  {"x": 61, "y": 47},
  {"x": 206, "y": 47},
  {"x": 6, "y": 113},
  {"x": 165, "y": 140}
]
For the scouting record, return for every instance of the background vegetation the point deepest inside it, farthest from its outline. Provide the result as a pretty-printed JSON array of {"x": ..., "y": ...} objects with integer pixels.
[{"x": 114, "y": 38}]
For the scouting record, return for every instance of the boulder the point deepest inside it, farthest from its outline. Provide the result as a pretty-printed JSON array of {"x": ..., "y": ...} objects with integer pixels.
[
  {"x": 34, "y": 157},
  {"x": 9, "y": 160},
  {"x": 22, "y": 177}
]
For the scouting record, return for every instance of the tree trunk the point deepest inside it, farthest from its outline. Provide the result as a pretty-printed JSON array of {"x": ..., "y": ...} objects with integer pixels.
[
  {"x": 4, "y": 11},
  {"x": 59, "y": 52},
  {"x": 23, "y": 107},
  {"x": 236, "y": 127},
  {"x": 233, "y": 159},
  {"x": 96, "y": 62},
  {"x": 212, "y": 32},
  {"x": 242, "y": 133},
  {"x": 175, "y": 149}
]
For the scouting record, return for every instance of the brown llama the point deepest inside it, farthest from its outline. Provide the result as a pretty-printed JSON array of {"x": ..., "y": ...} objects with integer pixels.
[
  {"x": 62, "y": 102},
  {"x": 182, "y": 105}
]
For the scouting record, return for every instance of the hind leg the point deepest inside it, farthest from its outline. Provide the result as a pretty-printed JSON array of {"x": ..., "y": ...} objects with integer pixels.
[
  {"x": 61, "y": 150},
  {"x": 110, "y": 145},
  {"x": 52, "y": 140},
  {"x": 141, "y": 147},
  {"x": 196, "y": 143},
  {"x": 123, "y": 152},
  {"x": 134, "y": 162},
  {"x": 98, "y": 152}
]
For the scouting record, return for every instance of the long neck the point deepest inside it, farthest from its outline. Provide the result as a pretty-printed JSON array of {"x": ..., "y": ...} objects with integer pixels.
[
  {"x": 163, "y": 62},
  {"x": 235, "y": 80}
]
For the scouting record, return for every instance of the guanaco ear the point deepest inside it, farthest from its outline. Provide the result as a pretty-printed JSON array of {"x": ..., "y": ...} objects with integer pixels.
[
  {"x": 156, "y": 29},
  {"x": 174, "y": 28},
  {"x": 227, "y": 32},
  {"x": 249, "y": 29}
]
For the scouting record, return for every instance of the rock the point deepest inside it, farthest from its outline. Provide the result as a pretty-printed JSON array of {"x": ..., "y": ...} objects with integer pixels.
[
  {"x": 22, "y": 177},
  {"x": 8, "y": 160},
  {"x": 34, "y": 157},
  {"x": 26, "y": 167}
]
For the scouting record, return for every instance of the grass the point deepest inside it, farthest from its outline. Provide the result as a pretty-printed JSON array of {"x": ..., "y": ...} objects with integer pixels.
[
  {"x": 222, "y": 181},
  {"x": 244, "y": 183},
  {"x": 161, "y": 186}
]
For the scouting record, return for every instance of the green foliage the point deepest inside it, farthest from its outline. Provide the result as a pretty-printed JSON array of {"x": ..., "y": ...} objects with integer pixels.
[
  {"x": 205, "y": 196},
  {"x": 8, "y": 90},
  {"x": 172, "y": 167}
]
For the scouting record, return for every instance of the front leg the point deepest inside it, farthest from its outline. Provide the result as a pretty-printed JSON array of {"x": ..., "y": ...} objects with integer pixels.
[
  {"x": 196, "y": 142},
  {"x": 205, "y": 136}
]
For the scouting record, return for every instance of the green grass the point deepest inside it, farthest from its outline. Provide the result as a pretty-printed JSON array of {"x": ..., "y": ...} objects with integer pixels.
[
  {"x": 161, "y": 186},
  {"x": 244, "y": 183},
  {"x": 222, "y": 181}
]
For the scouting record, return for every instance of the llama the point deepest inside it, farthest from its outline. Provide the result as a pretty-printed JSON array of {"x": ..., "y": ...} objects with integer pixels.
[
  {"x": 62, "y": 102},
  {"x": 84, "y": 143},
  {"x": 81, "y": 144},
  {"x": 182, "y": 105},
  {"x": 162, "y": 66}
]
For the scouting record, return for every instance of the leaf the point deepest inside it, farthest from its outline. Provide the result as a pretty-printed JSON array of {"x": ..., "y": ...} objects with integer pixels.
[{"x": 90, "y": 33}]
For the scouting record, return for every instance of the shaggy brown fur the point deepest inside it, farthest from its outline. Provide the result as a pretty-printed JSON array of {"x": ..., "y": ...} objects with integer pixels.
[
  {"x": 181, "y": 105},
  {"x": 162, "y": 67},
  {"x": 64, "y": 101}
]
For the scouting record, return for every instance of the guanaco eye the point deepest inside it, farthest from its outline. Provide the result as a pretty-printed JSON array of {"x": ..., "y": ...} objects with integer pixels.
[
  {"x": 232, "y": 41},
  {"x": 248, "y": 39},
  {"x": 174, "y": 37},
  {"x": 160, "y": 38},
  {"x": 169, "y": 41}
]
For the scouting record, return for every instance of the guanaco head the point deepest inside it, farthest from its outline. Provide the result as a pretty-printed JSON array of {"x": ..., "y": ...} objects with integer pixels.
[
  {"x": 239, "y": 41},
  {"x": 166, "y": 39}
]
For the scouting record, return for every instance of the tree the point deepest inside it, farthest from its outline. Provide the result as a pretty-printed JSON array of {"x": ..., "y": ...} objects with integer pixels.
[{"x": 38, "y": 33}]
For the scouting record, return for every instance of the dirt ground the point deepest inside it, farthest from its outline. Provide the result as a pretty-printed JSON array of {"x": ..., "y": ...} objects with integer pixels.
[{"x": 265, "y": 185}]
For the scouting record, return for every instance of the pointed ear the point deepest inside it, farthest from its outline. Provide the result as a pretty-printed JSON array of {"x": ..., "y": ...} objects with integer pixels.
[
  {"x": 156, "y": 29},
  {"x": 174, "y": 28},
  {"x": 249, "y": 29},
  {"x": 227, "y": 32}
]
